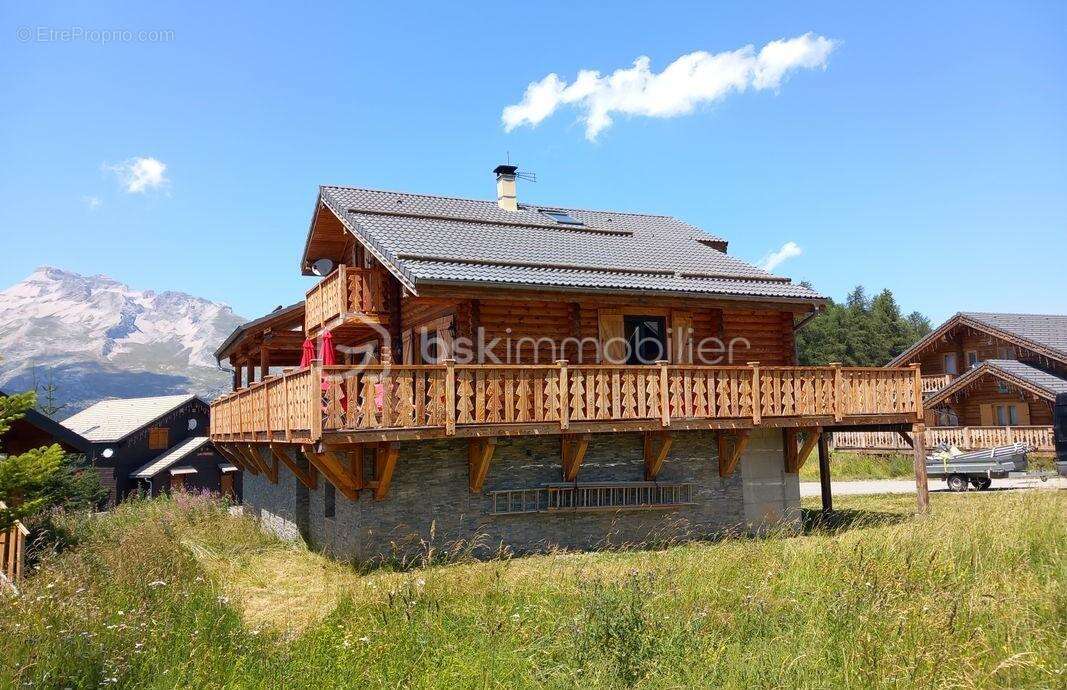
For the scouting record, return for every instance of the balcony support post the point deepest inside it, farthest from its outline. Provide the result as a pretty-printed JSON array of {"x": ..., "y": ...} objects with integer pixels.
[{"x": 918, "y": 436}]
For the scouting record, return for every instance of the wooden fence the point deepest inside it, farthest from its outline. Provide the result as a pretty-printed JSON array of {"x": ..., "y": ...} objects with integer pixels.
[
  {"x": 963, "y": 437},
  {"x": 300, "y": 405},
  {"x": 12, "y": 553}
]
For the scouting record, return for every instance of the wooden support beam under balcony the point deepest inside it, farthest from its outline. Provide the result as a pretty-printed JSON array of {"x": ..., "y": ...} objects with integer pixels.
[
  {"x": 657, "y": 445},
  {"x": 345, "y": 473},
  {"x": 479, "y": 456},
  {"x": 573, "y": 447},
  {"x": 287, "y": 455},
  {"x": 732, "y": 445}
]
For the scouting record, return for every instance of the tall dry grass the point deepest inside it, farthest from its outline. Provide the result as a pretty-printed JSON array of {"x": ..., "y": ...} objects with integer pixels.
[{"x": 182, "y": 594}]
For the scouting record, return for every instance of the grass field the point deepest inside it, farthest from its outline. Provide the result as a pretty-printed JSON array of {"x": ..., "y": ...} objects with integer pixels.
[
  {"x": 177, "y": 593},
  {"x": 846, "y": 465}
]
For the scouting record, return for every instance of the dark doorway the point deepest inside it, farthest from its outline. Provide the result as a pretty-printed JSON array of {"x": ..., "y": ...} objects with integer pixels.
[{"x": 647, "y": 338}]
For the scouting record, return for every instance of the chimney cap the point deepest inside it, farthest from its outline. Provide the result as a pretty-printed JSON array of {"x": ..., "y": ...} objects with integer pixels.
[{"x": 505, "y": 169}]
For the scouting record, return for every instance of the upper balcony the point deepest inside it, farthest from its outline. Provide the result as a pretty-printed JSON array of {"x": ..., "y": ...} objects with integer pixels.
[
  {"x": 348, "y": 297},
  {"x": 383, "y": 403},
  {"x": 932, "y": 383}
]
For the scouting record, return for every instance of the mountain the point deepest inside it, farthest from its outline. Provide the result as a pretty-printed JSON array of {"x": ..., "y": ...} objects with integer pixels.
[{"x": 96, "y": 338}]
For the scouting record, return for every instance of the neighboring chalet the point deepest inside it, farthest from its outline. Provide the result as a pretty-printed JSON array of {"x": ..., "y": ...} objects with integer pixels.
[
  {"x": 989, "y": 379},
  {"x": 529, "y": 375},
  {"x": 36, "y": 430},
  {"x": 153, "y": 445}
]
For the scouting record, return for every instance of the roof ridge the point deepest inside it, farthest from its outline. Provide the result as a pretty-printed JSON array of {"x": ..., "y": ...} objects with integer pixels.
[
  {"x": 490, "y": 202},
  {"x": 1008, "y": 313}
]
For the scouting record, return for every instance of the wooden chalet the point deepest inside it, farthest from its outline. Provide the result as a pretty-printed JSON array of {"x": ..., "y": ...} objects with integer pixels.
[
  {"x": 36, "y": 430},
  {"x": 989, "y": 379},
  {"x": 154, "y": 445},
  {"x": 534, "y": 375}
]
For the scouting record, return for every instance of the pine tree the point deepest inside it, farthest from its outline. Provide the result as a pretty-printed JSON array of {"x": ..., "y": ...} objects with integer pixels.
[
  {"x": 861, "y": 332},
  {"x": 24, "y": 479}
]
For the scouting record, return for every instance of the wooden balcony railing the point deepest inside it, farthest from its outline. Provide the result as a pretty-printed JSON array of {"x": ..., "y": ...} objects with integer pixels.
[
  {"x": 963, "y": 437},
  {"x": 934, "y": 382},
  {"x": 301, "y": 406},
  {"x": 346, "y": 291}
]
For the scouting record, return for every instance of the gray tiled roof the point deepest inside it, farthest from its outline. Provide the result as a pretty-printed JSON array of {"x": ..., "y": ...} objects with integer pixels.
[
  {"x": 442, "y": 239},
  {"x": 168, "y": 458},
  {"x": 1049, "y": 330},
  {"x": 111, "y": 420},
  {"x": 1036, "y": 377}
]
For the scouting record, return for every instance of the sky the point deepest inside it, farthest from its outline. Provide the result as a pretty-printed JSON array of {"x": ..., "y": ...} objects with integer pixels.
[{"x": 920, "y": 147}]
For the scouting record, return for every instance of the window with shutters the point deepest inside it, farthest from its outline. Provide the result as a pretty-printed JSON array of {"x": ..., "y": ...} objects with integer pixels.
[{"x": 158, "y": 438}]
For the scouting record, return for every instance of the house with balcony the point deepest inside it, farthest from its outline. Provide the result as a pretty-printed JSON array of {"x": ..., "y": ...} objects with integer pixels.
[
  {"x": 493, "y": 372},
  {"x": 989, "y": 379}
]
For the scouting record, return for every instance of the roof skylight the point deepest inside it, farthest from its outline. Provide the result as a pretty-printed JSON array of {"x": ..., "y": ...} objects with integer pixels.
[{"x": 562, "y": 217}]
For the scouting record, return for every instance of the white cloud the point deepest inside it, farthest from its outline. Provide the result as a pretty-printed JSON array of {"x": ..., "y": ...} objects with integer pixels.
[
  {"x": 141, "y": 174},
  {"x": 93, "y": 202},
  {"x": 692, "y": 79},
  {"x": 772, "y": 260}
]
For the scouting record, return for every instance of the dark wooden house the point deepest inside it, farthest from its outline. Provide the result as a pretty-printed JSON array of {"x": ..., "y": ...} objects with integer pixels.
[
  {"x": 35, "y": 430},
  {"x": 153, "y": 445},
  {"x": 534, "y": 375}
]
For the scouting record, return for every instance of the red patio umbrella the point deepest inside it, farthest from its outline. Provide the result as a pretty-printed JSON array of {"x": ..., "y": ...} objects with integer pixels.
[
  {"x": 307, "y": 353},
  {"x": 327, "y": 355},
  {"x": 329, "y": 358}
]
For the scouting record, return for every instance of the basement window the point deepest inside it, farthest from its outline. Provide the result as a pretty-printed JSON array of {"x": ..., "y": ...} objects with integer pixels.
[
  {"x": 329, "y": 501},
  {"x": 563, "y": 217}
]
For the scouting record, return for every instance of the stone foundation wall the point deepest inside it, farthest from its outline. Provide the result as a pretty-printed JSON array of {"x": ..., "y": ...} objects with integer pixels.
[
  {"x": 430, "y": 506},
  {"x": 281, "y": 508}
]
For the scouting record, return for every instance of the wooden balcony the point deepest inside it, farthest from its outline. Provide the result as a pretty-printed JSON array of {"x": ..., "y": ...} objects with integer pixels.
[
  {"x": 935, "y": 382},
  {"x": 963, "y": 437},
  {"x": 348, "y": 296},
  {"x": 353, "y": 404}
]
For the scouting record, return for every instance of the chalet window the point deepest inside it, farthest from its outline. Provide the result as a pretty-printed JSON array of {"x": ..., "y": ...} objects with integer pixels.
[
  {"x": 972, "y": 358},
  {"x": 1003, "y": 387},
  {"x": 158, "y": 438},
  {"x": 950, "y": 363},
  {"x": 1007, "y": 415},
  {"x": 647, "y": 338},
  {"x": 1006, "y": 352},
  {"x": 329, "y": 501}
]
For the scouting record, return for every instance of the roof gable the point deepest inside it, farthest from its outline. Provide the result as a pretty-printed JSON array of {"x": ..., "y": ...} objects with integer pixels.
[
  {"x": 1043, "y": 334},
  {"x": 1036, "y": 381},
  {"x": 114, "y": 420},
  {"x": 426, "y": 239}
]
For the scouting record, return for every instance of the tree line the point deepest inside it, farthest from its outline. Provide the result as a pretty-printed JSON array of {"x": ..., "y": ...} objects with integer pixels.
[{"x": 863, "y": 331}]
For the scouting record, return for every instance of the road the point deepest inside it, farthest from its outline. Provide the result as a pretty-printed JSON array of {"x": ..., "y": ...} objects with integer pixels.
[{"x": 907, "y": 486}]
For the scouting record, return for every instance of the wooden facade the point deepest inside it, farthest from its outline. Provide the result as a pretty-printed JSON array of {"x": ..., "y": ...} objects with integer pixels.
[{"x": 454, "y": 360}]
